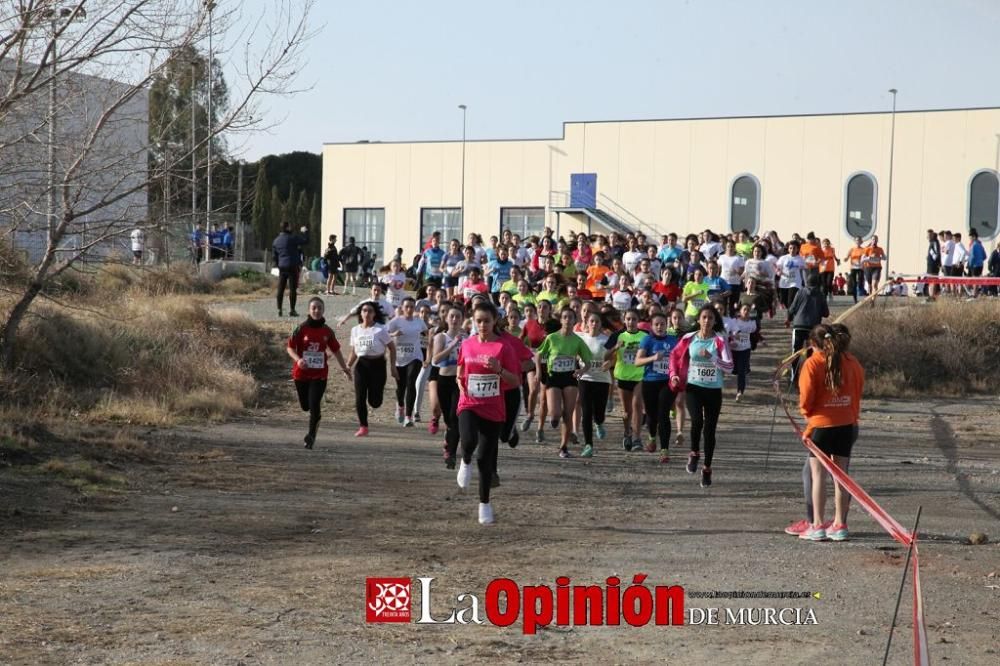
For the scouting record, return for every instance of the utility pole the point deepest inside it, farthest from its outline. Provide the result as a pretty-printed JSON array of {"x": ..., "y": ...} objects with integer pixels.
[{"x": 892, "y": 154}]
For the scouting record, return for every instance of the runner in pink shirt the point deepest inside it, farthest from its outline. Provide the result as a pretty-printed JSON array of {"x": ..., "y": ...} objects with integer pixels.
[{"x": 486, "y": 366}]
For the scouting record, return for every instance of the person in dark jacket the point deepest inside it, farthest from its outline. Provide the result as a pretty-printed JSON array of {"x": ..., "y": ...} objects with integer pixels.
[
  {"x": 287, "y": 249},
  {"x": 332, "y": 258},
  {"x": 807, "y": 310}
]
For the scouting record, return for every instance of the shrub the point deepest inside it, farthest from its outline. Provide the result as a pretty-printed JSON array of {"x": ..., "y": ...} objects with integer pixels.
[{"x": 945, "y": 348}]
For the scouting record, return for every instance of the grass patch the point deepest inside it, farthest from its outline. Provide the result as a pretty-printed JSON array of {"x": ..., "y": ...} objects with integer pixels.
[
  {"x": 82, "y": 475},
  {"x": 947, "y": 348}
]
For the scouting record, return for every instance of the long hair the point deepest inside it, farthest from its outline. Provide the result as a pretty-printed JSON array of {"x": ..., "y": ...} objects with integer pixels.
[
  {"x": 834, "y": 340},
  {"x": 379, "y": 315}
]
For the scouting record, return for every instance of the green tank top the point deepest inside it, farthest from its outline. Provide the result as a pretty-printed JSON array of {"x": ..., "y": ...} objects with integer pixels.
[{"x": 625, "y": 367}]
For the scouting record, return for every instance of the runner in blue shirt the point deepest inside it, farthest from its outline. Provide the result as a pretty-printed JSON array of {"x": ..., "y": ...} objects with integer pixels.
[
  {"x": 657, "y": 396},
  {"x": 498, "y": 270}
]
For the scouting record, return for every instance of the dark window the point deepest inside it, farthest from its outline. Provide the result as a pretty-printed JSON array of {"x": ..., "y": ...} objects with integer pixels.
[
  {"x": 984, "y": 203},
  {"x": 744, "y": 205},
  {"x": 446, "y": 220},
  {"x": 367, "y": 225},
  {"x": 860, "y": 219},
  {"x": 525, "y": 222}
]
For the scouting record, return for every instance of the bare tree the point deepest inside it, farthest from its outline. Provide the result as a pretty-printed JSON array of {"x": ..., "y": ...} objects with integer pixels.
[{"x": 75, "y": 146}]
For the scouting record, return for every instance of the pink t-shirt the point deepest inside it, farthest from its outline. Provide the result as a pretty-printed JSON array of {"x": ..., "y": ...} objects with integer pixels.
[
  {"x": 521, "y": 352},
  {"x": 483, "y": 392}
]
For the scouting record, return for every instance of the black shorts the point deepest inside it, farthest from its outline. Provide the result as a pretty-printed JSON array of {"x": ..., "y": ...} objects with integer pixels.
[
  {"x": 350, "y": 268},
  {"x": 450, "y": 281},
  {"x": 627, "y": 384},
  {"x": 543, "y": 376},
  {"x": 560, "y": 380},
  {"x": 433, "y": 279},
  {"x": 435, "y": 373},
  {"x": 137, "y": 254},
  {"x": 836, "y": 441}
]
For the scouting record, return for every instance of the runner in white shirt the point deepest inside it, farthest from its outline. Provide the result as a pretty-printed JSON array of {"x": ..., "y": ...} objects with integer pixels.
[
  {"x": 370, "y": 343},
  {"x": 388, "y": 311},
  {"x": 406, "y": 330},
  {"x": 740, "y": 331},
  {"x": 595, "y": 383},
  {"x": 395, "y": 283},
  {"x": 631, "y": 258},
  {"x": 791, "y": 269}
]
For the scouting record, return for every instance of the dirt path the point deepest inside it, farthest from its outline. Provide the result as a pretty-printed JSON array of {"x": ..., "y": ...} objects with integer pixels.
[{"x": 236, "y": 546}]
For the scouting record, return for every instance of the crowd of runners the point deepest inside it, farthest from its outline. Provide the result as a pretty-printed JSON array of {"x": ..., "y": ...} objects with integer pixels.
[{"x": 544, "y": 335}]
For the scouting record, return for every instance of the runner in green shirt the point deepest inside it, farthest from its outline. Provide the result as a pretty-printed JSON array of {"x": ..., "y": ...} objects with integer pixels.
[
  {"x": 625, "y": 344},
  {"x": 562, "y": 351},
  {"x": 695, "y": 293}
]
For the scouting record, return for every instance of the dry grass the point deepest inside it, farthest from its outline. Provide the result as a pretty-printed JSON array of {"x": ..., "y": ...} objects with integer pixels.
[{"x": 943, "y": 349}]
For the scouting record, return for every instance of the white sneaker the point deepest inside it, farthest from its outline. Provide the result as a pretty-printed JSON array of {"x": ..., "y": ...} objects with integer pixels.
[
  {"x": 464, "y": 475},
  {"x": 485, "y": 514}
]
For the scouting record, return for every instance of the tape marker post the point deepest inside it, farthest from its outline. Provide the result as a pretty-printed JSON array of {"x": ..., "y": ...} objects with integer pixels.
[{"x": 880, "y": 515}]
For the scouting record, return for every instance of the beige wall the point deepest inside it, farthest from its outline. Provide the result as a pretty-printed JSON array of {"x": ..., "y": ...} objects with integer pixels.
[{"x": 676, "y": 175}]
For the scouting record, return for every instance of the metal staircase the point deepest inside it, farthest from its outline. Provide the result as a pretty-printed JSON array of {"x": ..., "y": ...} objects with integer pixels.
[{"x": 604, "y": 211}]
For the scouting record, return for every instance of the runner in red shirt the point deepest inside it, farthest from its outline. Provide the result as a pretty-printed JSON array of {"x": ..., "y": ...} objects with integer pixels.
[{"x": 308, "y": 347}]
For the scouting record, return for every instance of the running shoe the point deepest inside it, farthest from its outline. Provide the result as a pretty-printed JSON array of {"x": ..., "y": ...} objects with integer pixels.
[
  {"x": 514, "y": 440},
  {"x": 600, "y": 431},
  {"x": 739, "y": 394},
  {"x": 362, "y": 432},
  {"x": 408, "y": 422},
  {"x": 588, "y": 452},
  {"x": 309, "y": 440},
  {"x": 692, "y": 465},
  {"x": 486, "y": 514},
  {"x": 706, "y": 477},
  {"x": 573, "y": 438},
  {"x": 495, "y": 481},
  {"x": 464, "y": 475},
  {"x": 564, "y": 453},
  {"x": 399, "y": 414},
  {"x": 627, "y": 442},
  {"x": 814, "y": 534},
  {"x": 837, "y": 533},
  {"x": 673, "y": 414},
  {"x": 293, "y": 313},
  {"x": 526, "y": 423},
  {"x": 433, "y": 426},
  {"x": 664, "y": 457},
  {"x": 650, "y": 444},
  {"x": 539, "y": 437},
  {"x": 280, "y": 313},
  {"x": 449, "y": 461},
  {"x": 797, "y": 528},
  {"x": 416, "y": 417},
  {"x": 679, "y": 439}
]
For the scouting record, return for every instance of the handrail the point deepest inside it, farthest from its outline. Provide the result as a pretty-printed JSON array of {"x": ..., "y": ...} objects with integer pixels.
[{"x": 617, "y": 209}]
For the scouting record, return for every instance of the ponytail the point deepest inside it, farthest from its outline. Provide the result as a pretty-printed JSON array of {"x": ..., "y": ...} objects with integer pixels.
[{"x": 834, "y": 340}]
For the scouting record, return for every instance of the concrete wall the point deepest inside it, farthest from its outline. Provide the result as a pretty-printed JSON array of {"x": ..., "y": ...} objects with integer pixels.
[{"x": 676, "y": 175}]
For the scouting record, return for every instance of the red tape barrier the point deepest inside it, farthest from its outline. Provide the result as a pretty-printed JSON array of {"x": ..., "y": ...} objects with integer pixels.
[{"x": 880, "y": 515}]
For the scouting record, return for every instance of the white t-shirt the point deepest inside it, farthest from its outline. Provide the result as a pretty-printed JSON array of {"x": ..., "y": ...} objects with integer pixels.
[
  {"x": 759, "y": 269},
  {"x": 138, "y": 240},
  {"x": 396, "y": 292},
  {"x": 961, "y": 255},
  {"x": 369, "y": 342},
  {"x": 739, "y": 333},
  {"x": 791, "y": 269},
  {"x": 631, "y": 259},
  {"x": 732, "y": 267},
  {"x": 406, "y": 333},
  {"x": 593, "y": 373},
  {"x": 710, "y": 250},
  {"x": 948, "y": 258},
  {"x": 622, "y": 300}
]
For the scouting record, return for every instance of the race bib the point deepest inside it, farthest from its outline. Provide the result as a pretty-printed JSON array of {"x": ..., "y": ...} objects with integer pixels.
[
  {"x": 596, "y": 365},
  {"x": 628, "y": 356},
  {"x": 484, "y": 386},
  {"x": 742, "y": 339},
  {"x": 661, "y": 367},
  {"x": 468, "y": 293},
  {"x": 364, "y": 345},
  {"x": 406, "y": 349},
  {"x": 315, "y": 360},
  {"x": 395, "y": 298},
  {"x": 703, "y": 374},
  {"x": 563, "y": 364}
]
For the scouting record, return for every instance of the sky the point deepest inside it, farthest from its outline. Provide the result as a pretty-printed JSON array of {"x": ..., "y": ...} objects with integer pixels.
[{"x": 396, "y": 71}]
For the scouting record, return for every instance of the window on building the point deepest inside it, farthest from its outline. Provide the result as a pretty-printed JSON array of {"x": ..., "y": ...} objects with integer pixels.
[
  {"x": 367, "y": 226},
  {"x": 984, "y": 203},
  {"x": 744, "y": 204},
  {"x": 525, "y": 222},
  {"x": 446, "y": 220},
  {"x": 861, "y": 203}
]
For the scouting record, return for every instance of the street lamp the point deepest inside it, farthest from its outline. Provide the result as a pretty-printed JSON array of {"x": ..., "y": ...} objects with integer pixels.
[
  {"x": 892, "y": 155},
  {"x": 464, "y": 109},
  {"x": 55, "y": 17}
]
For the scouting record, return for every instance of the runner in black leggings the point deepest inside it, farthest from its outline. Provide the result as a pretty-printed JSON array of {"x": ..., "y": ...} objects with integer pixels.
[
  {"x": 699, "y": 362},
  {"x": 308, "y": 347},
  {"x": 369, "y": 343},
  {"x": 444, "y": 357},
  {"x": 657, "y": 394},
  {"x": 406, "y": 330}
]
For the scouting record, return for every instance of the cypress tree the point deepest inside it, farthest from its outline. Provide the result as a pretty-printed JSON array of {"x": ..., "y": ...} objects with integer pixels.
[{"x": 261, "y": 216}]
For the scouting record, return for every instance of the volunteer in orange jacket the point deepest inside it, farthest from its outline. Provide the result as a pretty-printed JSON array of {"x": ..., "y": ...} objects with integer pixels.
[{"x": 830, "y": 385}]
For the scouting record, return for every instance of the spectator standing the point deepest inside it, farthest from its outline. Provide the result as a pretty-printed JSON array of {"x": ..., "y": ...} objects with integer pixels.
[
  {"x": 138, "y": 238},
  {"x": 287, "y": 251},
  {"x": 933, "y": 261},
  {"x": 332, "y": 258}
]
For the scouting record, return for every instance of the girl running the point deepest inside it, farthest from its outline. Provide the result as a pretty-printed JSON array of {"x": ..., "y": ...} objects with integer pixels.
[
  {"x": 370, "y": 342},
  {"x": 485, "y": 366},
  {"x": 657, "y": 395},
  {"x": 595, "y": 383},
  {"x": 395, "y": 283},
  {"x": 444, "y": 358},
  {"x": 406, "y": 331},
  {"x": 550, "y": 325},
  {"x": 375, "y": 297},
  {"x": 532, "y": 334},
  {"x": 830, "y": 387},
  {"x": 791, "y": 272},
  {"x": 740, "y": 331},
  {"x": 308, "y": 348},
  {"x": 677, "y": 327},
  {"x": 425, "y": 385},
  {"x": 562, "y": 350},
  {"x": 626, "y": 344},
  {"x": 697, "y": 365}
]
